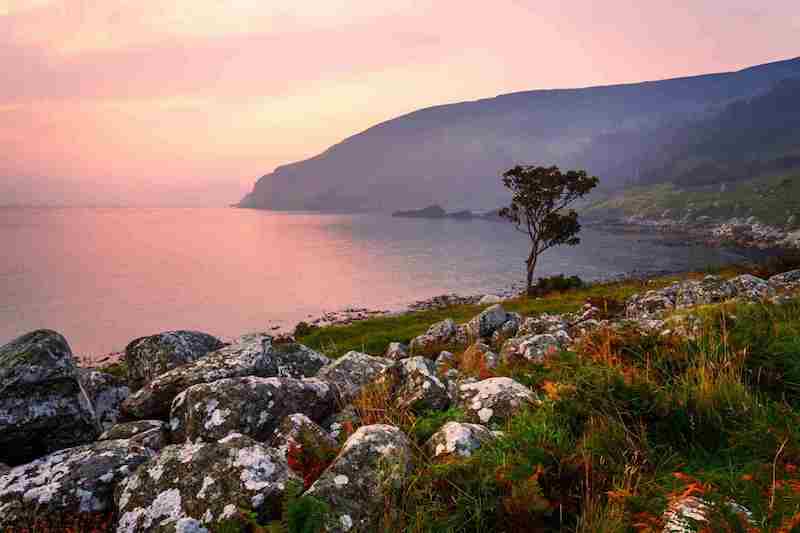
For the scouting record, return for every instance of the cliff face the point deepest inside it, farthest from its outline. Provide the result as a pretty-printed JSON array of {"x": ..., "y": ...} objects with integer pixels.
[{"x": 453, "y": 154}]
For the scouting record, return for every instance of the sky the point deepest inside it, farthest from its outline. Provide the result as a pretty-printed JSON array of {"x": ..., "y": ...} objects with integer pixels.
[{"x": 188, "y": 102}]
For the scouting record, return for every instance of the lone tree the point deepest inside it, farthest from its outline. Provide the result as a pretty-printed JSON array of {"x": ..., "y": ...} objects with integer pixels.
[{"x": 540, "y": 195}]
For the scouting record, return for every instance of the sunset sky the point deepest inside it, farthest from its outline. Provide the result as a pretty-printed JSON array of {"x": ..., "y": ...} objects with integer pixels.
[{"x": 187, "y": 102}]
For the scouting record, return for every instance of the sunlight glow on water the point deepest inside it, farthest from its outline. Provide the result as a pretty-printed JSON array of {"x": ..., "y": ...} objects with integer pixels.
[{"x": 103, "y": 277}]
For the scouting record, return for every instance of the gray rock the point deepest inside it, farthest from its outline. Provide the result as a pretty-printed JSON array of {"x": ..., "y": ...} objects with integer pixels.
[
  {"x": 648, "y": 304},
  {"x": 687, "y": 513},
  {"x": 373, "y": 463},
  {"x": 106, "y": 393},
  {"x": 42, "y": 405},
  {"x": 748, "y": 287},
  {"x": 201, "y": 485},
  {"x": 148, "y": 357},
  {"x": 786, "y": 280},
  {"x": 439, "y": 336},
  {"x": 542, "y": 324},
  {"x": 150, "y": 433},
  {"x": 495, "y": 399},
  {"x": 250, "y": 405},
  {"x": 712, "y": 289},
  {"x": 250, "y": 355},
  {"x": 489, "y": 299},
  {"x": 418, "y": 387},
  {"x": 509, "y": 329},
  {"x": 533, "y": 348},
  {"x": 295, "y": 360},
  {"x": 351, "y": 372},
  {"x": 396, "y": 351},
  {"x": 341, "y": 424},
  {"x": 458, "y": 439},
  {"x": 299, "y": 430},
  {"x": 487, "y": 322},
  {"x": 61, "y": 487}
]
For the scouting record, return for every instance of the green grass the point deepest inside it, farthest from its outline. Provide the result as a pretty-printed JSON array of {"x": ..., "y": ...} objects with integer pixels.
[
  {"x": 628, "y": 425},
  {"x": 771, "y": 199},
  {"x": 374, "y": 335}
]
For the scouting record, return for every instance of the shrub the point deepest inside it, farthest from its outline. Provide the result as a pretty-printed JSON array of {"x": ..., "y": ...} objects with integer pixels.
[{"x": 558, "y": 283}]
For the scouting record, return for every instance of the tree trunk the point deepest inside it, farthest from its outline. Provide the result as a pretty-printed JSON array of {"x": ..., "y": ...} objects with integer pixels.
[{"x": 531, "y": 264}]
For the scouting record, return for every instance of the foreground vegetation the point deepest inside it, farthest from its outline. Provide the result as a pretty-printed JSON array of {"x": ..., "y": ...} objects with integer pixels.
[{"x": 630, "y": 423}]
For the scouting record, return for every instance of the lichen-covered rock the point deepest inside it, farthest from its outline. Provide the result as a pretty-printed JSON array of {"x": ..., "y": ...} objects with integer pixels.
[
  {"x": 786, "y": 280},
  {"x": 509, "y": 329},
  {"x": 418, "y": 387},
  {"x": 106, "y": 393},
  {"x": 495, "y": 399},
  {"x": 151, "y": 433},
  {"x": 749, "y": 287},
  {"x": 648, "y": 304},
  {"x": 396, "y": 351},
  {"x": 64, "y": 485},
  {"x": 685, "y": 514},
  {"x": 148, "y": 357},
  {"x": 372, "y": 464},
  {"x": 542, "y": 324},
  {"x": 42, "y": 405},
  {"x": 439, "y": 336},
  {"x": 351, "y": 372},
  {"x": 250, "y": 405},
  {"x": 298, "y": 430},
  {"x": 487, "y": 322},
  {"x": 712, "y": 289},
  {"x": 201, "y": 485},
  {"x": 294, "y": 360},
  {"x": 458, "y": 439},
  {"x": 250, "y": 355},
  {"x": 533, "y": 348},
  {"x": 489, "y": 299}
]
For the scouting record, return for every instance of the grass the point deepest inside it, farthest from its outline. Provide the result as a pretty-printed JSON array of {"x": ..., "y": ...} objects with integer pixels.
[
  {"x": 772, "y": 199},
  {"x": 374, "y": 335}
]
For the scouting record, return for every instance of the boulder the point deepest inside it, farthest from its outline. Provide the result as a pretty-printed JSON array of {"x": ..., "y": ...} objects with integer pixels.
[
  {"x": 489, "y": 299},
  {"x": 687, "y": 513},
  {"x": 66, "y": 487},
  {"x": 42, "y": 405},
  {"x": 786, "y": 280},
  {"x": 106, "y": 394},
  {"x": 150, "y": 433},
  {"x": 648, "y": 304},
  {"x": 542, "y": 324},
  {"x": 372, "y": 465},
  {"x": 250, "y": 355},
  {"x": 712, "y": 289},
  {"x": 250, "y": 405},
  {"x": 396, "y": 351},
  {"x": 148, "y": 357},
  {"x": 195, "y": 487},
  {"x": 299, "y": 430},
  {"x": 509, "y": 329},
  {"x": 487, "y": 322},
  {"x": 294, "y": 360},
  {"x": 445, "y": 361},
  {"x": 533, "y": 348},
  {"x": 494, "y": 400},
  {"x": 479, "y": 358},
  {"x": 439, "y": 336},
  {"x": 418, "y": 387},
  {"x": 749, "y": 287},
  {"x": 351, "y": 372},
  {"x": 458, "y": 439}
]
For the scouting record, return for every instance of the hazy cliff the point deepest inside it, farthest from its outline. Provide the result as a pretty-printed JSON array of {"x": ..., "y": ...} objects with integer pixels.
[{"x": 452, "y": 154}]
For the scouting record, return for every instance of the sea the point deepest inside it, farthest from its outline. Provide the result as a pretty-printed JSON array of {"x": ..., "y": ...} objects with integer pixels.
[{"x": 105, "y": 276}]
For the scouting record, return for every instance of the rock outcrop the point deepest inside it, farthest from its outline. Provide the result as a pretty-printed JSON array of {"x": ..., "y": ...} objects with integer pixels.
[
  {"x": 251, "y": 406},
  {"x": 195, "y": 487},
  {"x": 151, "y": 356},
  {"x": 67, "y": 486},
  {"x": 106, "y": 394},
  {"x": 42, "y": 405},
  {"x": 373, "y": 463}
]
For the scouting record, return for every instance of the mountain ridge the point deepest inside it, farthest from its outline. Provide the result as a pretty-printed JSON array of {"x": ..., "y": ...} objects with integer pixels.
[{"x": 451, "y": 154}]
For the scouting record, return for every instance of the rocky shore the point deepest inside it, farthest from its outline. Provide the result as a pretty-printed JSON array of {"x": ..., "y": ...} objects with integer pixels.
[{"x": 199, "y": 431}]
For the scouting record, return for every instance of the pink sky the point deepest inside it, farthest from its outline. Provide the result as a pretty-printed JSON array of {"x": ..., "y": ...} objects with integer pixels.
[{"x": 187, "y": 102}]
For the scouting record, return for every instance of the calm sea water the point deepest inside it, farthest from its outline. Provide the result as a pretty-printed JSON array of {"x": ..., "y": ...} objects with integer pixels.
[{"x": 103, "y": 277}]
